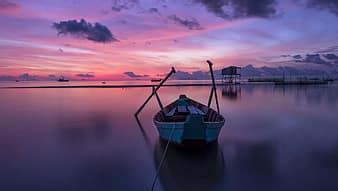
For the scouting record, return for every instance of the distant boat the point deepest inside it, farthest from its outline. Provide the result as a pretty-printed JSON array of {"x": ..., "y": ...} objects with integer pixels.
[
  {"x": 156, "y": 80},
  {"x": 103, "y": 82},
  {"x": 187, "y": 121},
  {"x": 62, "y": 79}
]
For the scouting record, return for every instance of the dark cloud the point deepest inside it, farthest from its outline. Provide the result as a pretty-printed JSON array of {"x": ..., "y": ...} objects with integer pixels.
[
  {"x": 315, "y": 59},
  {"x": 133, "y": 75},
  {"x": 330, "y": 56},
  {"x": 330, "y": 49},
  {"x": 7, "y": 78},
  {"x": 52, "y": 77},
  {"x": 330, "y": 5},
  {"x": 119, "y": 5},
  {"x": 321, "y": 58},
  {"x": 297, "y": 56},
  {"x": 5, "y": 4},
  {"x": 192, "y": 24},
  {"x": 230, "y": 9},
  {"x": 119, "y": 8},
  {"x": 82, "y": 29},
  {"x": 154, "y": 10},
  {"x": 86, "y": 75}
]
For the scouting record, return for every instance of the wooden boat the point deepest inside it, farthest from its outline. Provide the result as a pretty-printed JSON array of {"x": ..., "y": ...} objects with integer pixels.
[
  {"x": 187, "y": 121},
  {"x": 62, "y": 79},
  {"x": 156, "y": 80},
  {"x": 189, "y": 169}
]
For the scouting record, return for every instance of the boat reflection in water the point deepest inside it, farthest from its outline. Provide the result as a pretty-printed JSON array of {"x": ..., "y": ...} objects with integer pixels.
[
  {"x": 190, "y": 169},
  {"x": 231, "y": 92}
]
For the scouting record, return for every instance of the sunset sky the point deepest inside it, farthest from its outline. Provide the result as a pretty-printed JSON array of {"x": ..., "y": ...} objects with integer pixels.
[{"x": 123, "y": 39}]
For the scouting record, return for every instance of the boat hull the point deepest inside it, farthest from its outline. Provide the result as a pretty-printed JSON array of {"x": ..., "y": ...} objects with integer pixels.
[
  {"x": 180, "y": 133},
  {"x": 186, "y": 120}
]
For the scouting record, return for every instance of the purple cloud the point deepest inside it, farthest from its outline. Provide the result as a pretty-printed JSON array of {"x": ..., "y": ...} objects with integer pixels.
[
  {"x": 331, "y": 56},
  {"x": 229, "y": 9},
  {"x": 133, "y": 75},
  {"x": 86, "y": 75},
  {"x": 7, "y": 78},
  {"x": 28, "y": 77},
  {"x": 192, "y": 24},
  {"x": 330, "y": 5},
  {"x": 82, "y": 29},
  {"x": 119, "y": 5},
  {"x": 154, "y": 10},
  {"x": 5, "y": 4},
  {"x": 297, "y": 56}
]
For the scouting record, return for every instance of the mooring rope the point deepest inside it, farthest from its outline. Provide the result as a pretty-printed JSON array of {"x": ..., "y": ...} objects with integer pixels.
[{"x": 162, "y": 159}]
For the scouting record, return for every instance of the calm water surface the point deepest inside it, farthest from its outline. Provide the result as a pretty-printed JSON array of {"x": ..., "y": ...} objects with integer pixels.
[{"x": 275, "y": 138}]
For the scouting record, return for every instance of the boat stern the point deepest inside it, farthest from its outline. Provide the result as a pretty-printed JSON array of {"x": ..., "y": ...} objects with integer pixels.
[
  {"x": 170, "y": 131},
  {"x": 193, "y": 131}
]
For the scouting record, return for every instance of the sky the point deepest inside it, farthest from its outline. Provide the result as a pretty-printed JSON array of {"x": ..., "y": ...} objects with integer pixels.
[{"x": 136, "y": 39}]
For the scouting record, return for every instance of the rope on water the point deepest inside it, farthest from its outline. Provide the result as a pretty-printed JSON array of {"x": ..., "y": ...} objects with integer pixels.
[{"x": 162, "y": 159}]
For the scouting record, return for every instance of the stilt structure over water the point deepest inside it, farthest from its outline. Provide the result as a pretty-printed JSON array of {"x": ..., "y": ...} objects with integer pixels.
[{"x": 231, "y": 75}]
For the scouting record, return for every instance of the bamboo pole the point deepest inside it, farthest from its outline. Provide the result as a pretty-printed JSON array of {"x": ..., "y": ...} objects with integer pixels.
[
  {"x": 155, "y": 90},
  {"x": 214, "y": 86}
]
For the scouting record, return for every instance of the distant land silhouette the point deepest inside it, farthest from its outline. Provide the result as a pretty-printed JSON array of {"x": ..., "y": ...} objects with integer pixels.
[
  {"x": 265, "y": 71},
  {"x": 246, "y": 72}
]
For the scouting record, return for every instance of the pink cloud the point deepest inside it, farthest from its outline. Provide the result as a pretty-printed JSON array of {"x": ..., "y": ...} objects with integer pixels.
[{"x": 8, "y": 8}]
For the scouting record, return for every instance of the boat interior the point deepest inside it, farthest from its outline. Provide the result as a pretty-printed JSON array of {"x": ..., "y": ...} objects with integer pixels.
[{"x": 175, "y": 112}]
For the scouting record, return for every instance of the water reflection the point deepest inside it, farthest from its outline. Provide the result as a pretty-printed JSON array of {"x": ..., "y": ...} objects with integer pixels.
[
  {"x": 312, "y": 94},
  {"x": 259, "y": 157},
  {"x": 190, "y": 169},
  {"x": 231, "y": 92},
  {"x": 254, "y": 165},
  {"x": 275, "y": 138},
  {"x": 325, "y": 158},
  {"x": 143, "y": 133},
  {"x": 84, "y": 128}
]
